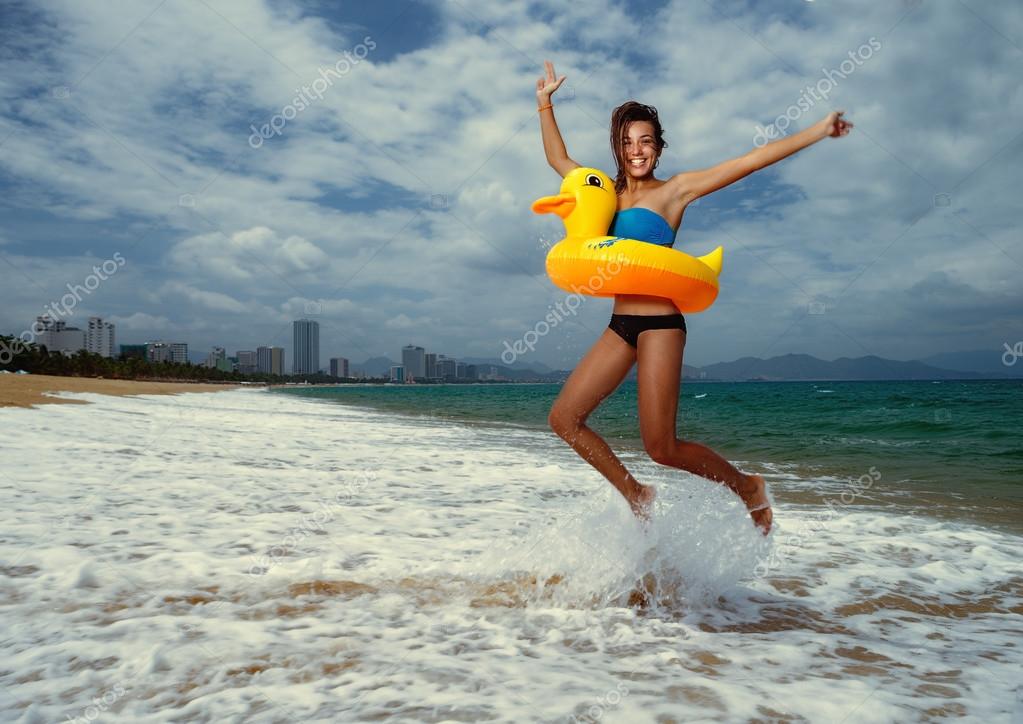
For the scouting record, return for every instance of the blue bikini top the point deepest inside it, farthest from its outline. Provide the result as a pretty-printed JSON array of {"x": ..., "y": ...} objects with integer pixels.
[{"x": 644, "y": 225}]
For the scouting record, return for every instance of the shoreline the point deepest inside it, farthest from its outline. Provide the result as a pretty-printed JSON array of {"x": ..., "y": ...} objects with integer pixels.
[{"x": 28, "y": 391}]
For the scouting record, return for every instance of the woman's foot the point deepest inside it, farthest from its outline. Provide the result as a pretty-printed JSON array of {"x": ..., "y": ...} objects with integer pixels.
[
  {"x": 755, "y": 498},
  {"x": 642, "y": 501}
]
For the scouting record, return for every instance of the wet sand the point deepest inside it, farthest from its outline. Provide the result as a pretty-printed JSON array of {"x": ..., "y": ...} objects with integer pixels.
[{"x": 30, "y": 390}]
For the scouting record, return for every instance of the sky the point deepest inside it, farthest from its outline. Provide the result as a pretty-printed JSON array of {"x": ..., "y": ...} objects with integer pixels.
[{"x": 392, "y": 203}]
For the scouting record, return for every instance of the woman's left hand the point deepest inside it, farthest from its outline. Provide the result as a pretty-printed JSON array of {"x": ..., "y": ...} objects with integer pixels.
[{"x": 835, "y": 125}]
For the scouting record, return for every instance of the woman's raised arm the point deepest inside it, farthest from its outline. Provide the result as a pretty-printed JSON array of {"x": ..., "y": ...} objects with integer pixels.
[
  {"x": 553, "y": 145},
  {"x": 691, "y": 185}
]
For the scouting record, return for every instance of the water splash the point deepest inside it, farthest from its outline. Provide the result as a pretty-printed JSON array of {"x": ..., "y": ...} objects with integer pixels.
[{"x": 699, "y": 543}]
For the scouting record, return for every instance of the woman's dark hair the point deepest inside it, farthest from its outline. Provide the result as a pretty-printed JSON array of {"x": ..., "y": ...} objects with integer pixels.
[{"x": 621, "y": 117}]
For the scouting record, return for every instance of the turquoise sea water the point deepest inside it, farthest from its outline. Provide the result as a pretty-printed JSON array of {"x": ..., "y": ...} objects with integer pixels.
[{"x": 951, "y": 438}]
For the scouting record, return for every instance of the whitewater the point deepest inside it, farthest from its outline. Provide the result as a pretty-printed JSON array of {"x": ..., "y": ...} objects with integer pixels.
[{"x": 249, "y": 556}]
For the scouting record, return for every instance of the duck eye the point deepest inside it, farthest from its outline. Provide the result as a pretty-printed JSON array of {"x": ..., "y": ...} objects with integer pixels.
[{"x": 594, "y": 180}]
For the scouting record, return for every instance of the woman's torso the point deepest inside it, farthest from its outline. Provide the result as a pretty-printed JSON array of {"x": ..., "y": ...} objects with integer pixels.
[{"x": 671, "y": 210}]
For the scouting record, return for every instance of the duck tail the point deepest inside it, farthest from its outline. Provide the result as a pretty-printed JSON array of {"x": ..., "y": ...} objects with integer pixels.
[{"x": 713, "y": 260}]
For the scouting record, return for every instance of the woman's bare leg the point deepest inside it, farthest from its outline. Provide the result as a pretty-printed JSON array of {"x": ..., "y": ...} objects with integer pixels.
[
  {"x": 596, "y": 376},
  {"x": 660, "y": 365}
]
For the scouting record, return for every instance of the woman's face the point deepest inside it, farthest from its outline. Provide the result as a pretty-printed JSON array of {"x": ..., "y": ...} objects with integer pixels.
[{"x": 639, "y": 148}]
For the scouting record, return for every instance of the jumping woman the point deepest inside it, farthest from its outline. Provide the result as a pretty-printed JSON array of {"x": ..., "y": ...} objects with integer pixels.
[{"x": 649, "y": 330}]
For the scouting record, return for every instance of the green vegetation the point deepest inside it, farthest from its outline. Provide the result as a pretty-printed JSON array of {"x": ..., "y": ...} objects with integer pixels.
[{"x": 18, "y": 355}]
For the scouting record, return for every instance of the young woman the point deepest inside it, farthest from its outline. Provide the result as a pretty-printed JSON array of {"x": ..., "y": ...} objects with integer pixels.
[{"x": 649, "y": 330}]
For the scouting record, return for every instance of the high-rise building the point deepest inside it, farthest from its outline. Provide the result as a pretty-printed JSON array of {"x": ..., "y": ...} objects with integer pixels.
[
  {"x": 431, "y": 364},
  {"x": 489, "y": 372},
  {"x": 246, "y": 361},
  {"x": 179, "y": 353},
  {"x": 446, "y": 368},
  {"x": 99, "y": 337},
  {"x": 397, "y": 373},
  {"x": 58, "y": 337},
  {"x": 338, "y": 367},
  {"x": 270, "y": 360},
  {"x": 133, "y": 350},
  {"x": 413, "y": 359},
  {"x": 176, "y": 352},
  {"x": 307, "y": 346},
  {"x": 216, "y": 355},
  {"x": 263, "y": 360},
  {"x": 158, "y": 352}
]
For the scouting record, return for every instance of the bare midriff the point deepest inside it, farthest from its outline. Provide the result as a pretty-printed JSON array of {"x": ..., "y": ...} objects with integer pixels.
[{"x": 643, "y": 304}]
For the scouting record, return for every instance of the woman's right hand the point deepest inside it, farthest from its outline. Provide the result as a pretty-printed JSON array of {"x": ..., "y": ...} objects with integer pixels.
[{"x": 546, "y": 85}]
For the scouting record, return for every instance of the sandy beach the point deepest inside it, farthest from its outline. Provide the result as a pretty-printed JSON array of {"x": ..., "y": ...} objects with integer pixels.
[{"x": 31, "y": 390}]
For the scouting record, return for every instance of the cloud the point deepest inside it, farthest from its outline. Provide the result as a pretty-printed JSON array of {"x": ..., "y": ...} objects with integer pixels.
[
  {"x": 213, "y": 301},
  {"x": 139, "y": 321},
  {"x": 399, "y": 322},
  {"x": 399, "y": 200},
  {"x": 245, "y": 255}
]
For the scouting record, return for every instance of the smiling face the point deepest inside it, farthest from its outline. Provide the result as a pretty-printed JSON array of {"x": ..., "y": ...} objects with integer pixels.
[{"x": 639, "y": 148}]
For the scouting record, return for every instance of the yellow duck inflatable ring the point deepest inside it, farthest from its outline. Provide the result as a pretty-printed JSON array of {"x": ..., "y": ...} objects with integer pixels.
[{"x": 587, "y": 204}]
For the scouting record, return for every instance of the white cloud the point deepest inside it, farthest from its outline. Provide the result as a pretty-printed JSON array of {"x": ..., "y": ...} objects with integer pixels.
[
  {"x": 403, "y": 321},
  {"x": 244, "y": 255},
  {"x": 139, "y": 321},
  {"x": 214, "y": 301}
]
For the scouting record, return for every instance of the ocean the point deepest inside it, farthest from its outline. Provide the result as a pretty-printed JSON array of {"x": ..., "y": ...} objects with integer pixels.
[
  {"x": 947, "y": 448},
  {"x": 435, "y": 554}
]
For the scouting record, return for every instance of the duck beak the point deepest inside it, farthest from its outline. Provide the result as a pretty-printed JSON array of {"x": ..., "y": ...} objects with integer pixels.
[{"x": 562, "y": 204}]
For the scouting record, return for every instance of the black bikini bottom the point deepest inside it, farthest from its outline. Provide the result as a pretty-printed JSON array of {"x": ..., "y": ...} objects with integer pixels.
[{"x": 628, "y": 326}]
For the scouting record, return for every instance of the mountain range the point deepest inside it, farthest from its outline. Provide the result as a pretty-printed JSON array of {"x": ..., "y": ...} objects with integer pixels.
[{"x": 973, "y": 364}]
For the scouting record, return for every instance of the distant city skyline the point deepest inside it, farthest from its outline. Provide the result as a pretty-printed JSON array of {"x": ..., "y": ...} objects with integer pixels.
[
  {"x": 419, "y": 365},
  {"x": 99, "y": 338}
]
